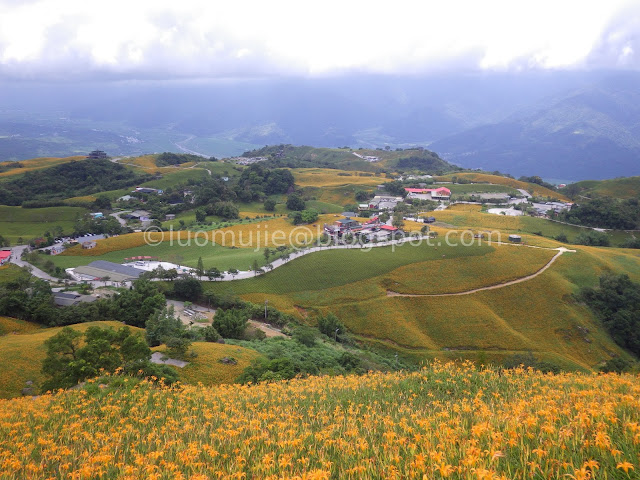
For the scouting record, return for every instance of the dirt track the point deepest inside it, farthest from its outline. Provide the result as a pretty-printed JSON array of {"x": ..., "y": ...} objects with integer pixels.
[{"x": 560, "y": 250}]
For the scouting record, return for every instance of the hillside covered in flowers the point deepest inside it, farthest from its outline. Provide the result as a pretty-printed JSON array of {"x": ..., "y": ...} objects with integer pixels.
[{"x": 443, "y": 421}]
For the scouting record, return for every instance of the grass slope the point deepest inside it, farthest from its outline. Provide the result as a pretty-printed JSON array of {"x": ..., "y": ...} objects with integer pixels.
[
  {"x": 538, "y": 315},
  {"x": 533, "y": 188},
  {"x": 468, "y": 217},
  {"x": 27, "y": 223},
  {"x": 36, "y": 164},
  {"x": 627, "y": 187},
  {"x": 22, "y": 351},
  {"x": 325, "y": 177},
  {"x": 22, "y": 356},
  {"x": 442, "y": 421}
]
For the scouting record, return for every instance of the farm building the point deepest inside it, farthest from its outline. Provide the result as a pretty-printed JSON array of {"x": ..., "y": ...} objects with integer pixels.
[
  {"x": 384, "y": 202},
  {"x": 441, "y": 193},
  {"x": 515, "y": 238},
  {"x": 170, "y": 216},
  {"x": 67, "y": 299},
  {"x": 88, "y": 238},
  {"x": 100, "y": 269},
  {"x": 97, "y": 154},
  {"x": 5, "y": 256}
]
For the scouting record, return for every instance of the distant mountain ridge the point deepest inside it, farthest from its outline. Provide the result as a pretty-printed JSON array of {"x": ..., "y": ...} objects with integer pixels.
[
  {"x": 561, "y": 125},
  {"x": 589, "y": 133}
]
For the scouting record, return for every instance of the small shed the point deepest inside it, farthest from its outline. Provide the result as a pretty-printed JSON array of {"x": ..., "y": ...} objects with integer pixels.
[
  {"x": 515, "y": 238},
  {"x": 170, "y": 216}
]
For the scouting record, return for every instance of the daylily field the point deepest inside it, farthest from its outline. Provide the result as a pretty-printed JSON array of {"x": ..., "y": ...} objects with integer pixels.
[{"x": 444, "y": 421}]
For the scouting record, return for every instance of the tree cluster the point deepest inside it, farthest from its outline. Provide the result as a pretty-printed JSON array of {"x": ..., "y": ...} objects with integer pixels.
[
  {"x": 616, "y": 302},
  {"x": 73, "y": 179}
]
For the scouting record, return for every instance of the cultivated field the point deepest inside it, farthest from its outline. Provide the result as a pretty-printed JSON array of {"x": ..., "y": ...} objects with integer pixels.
[
  {"x": 37, "y": 164},
  {"x": 16, "y": 222},
  {"x": 538, "y": 315},
  {"x": 533, "y": 188},
  {"x": 444, "y": 421},
  {"x": 326, "y": 177}
]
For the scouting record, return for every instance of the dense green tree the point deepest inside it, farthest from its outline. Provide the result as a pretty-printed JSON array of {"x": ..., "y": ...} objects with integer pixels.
[
  {"x": 269, "y": 204},
  {"x": 187, "y": 289},
  {"x": 616, "y": 301},
  {"x": 70, "y": 361},
  {"x": 230, "y": 323},
  {"x": 135, "y": 306},
  {"x": 162, "y": 326},
  {"x": 201, "y": 215},
  {"x": 329, "y": 324},
  {"x": 295, "y": 202}
]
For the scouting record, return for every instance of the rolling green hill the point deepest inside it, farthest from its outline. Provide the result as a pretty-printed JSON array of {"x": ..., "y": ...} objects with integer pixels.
[
  {"x": 16, "y": 222},
  {"x": 346, "y": 159},
  {"x": 538, "y": 315},
  {"x": 625, "y": 187}
]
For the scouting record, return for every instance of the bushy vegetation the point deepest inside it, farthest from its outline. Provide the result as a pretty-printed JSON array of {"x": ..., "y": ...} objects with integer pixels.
[
  {"x": 102, "y": 350},
  {"x": 258, "y": 181},
  {"x": 28, "y": 298},
  {"x": 592, "y": 238},
  {"x": 616, "y": 301},
  {"x": 605, "y": 213},
  {"x": 305, "y": 354},
  {"x": 73, "y": 179},
  {"x": 168, "y": 158},
  {"x": 429, "y": 163},
  {"x": 444, "y": 421}
]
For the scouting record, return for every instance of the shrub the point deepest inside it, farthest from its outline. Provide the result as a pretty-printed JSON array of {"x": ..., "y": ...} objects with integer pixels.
[{"x": 230, "y": 323}]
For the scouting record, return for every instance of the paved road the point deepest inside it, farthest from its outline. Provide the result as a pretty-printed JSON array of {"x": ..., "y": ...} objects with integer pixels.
[
  {"x": 16, "y": 253},
  {"x": 524, "y": 192},
  {"x": 120, "y": 220}
]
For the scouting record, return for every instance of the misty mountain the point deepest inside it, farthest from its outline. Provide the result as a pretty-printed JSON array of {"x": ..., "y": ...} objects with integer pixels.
[
  {"x": 591, "y": 132},
  {"x": 555, "y": 124}
]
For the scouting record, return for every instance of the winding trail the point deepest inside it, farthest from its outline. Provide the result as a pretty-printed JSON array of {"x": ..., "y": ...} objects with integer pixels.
[{"x": 560, "y": 250}]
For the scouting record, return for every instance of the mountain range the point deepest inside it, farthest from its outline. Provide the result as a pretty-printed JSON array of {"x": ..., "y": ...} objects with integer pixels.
[{"x": 559, "y": 125}]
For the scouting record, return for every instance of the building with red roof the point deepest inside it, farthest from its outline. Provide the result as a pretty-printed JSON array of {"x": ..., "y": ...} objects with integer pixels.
[
  {"x": 441, "y": 193},
  {"x": 5, "y": 256}
]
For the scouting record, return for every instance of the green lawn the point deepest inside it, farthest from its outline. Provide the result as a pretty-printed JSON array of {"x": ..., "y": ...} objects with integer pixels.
[
  {"x": 332, "y": 268},
  {"x": 481, "y": 188},
  {"x": 27, "y": 223},
  {"x": 223, "y": 258}
]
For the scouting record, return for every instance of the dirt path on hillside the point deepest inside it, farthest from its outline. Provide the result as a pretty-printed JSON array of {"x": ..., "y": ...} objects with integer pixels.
[{"x": 561, "y": 250}]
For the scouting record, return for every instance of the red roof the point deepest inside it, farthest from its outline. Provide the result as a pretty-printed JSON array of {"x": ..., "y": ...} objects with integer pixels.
[
  {"x": 388, "y": 227},
  {"x": 4, "y": 254}
]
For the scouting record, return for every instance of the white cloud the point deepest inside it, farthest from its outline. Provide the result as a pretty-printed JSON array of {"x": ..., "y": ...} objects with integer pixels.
[{"x": 201, "y": 38}]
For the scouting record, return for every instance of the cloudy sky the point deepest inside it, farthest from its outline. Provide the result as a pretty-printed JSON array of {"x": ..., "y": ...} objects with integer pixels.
[{"x": 137, "y": 39}]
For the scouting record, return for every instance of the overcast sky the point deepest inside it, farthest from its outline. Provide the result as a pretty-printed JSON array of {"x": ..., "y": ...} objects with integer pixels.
[{"x": 136, "y": 39}]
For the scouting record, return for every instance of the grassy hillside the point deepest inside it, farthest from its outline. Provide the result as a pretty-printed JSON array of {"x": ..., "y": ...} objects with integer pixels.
[
  {"x": 467, "y": 218},
  {"x": 533, "y": 188},
  {"x": 325, "y": 177},
  {"x": 8, "y": 169},
  {"x": 442, "y": 421},
  {"x": 539, "y": 315},
  {"x": 22, "y": 355},
  {"x": 627, "y": 187},
  {"x": 207, "y": 369},
  {"x": 16, "y": 222},
  {"x": 344, "y": 158},
  {"x": 223, "y": 258},
  {"x": 22, "y": 351}
]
